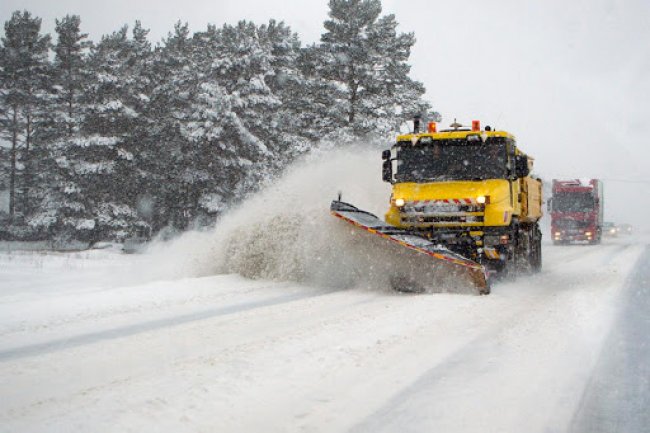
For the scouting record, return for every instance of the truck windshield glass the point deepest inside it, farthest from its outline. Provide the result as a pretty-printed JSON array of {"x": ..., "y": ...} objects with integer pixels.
[
  {"x": 573, "y": 202},
  {"x": 444, "y": 160}
]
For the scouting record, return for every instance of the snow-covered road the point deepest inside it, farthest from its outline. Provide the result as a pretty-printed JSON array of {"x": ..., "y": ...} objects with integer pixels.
[{"x": 89, "y": 344}]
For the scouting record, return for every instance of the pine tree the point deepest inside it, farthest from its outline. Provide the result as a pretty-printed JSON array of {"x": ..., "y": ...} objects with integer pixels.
[
  {"x": 225, "y": 124},
  {"x": 70, "y": 68},
  {"x": 290, "y": 133},
  {"x": 60, "y": 203},
  {"x": 96, "y": 157},
  {"x": 321, "y": 101},
  {"x": 24, "y": 78},
  {"x": 130, "y": 172},
  {"x": 367, "y": 58},
  {"x": 176, "y": 76}
]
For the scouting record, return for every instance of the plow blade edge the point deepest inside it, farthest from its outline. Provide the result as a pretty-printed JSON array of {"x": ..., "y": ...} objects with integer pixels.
[{"x": 414, "y": 263}]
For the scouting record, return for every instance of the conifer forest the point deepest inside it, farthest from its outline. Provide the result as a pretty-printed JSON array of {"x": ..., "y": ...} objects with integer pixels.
[{"x": 125, "y": 137}]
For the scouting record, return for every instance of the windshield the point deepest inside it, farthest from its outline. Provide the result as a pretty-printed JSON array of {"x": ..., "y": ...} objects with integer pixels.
[
  {"x": 573, "y": 202},
  {"x": 448, "y": 160}
]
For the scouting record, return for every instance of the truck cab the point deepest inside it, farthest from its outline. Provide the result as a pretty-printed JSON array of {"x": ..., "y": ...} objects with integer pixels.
[
  {"x": 576, "y": 208},
  {"x": 469, "y": 189}
]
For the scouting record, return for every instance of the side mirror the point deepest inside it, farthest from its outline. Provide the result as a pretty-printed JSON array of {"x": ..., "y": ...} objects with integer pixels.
[
  {"x": 387, "y": 171},
  {"x": 387, "y": 166},
  {"x": 521, "y": 166}
]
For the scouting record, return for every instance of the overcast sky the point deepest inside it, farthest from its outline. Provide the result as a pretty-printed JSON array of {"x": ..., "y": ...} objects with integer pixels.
[{"x": 570, "y": 78}]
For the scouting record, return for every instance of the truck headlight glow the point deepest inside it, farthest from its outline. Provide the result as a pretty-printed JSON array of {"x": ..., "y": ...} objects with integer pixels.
[
  {"x": 481, "y": 199},
  {"x": 399, "y": 202}
]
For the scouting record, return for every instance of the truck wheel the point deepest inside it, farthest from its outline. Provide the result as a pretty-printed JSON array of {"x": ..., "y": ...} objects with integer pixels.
[
  {"x": 527, "y": 250},
  {"x": 511, "y": 267},
  {"x": 537, "y": 265}
]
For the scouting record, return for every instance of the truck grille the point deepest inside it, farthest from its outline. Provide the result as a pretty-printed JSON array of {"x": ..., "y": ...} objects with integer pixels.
[
  {"x": 442, "y": 208},
  {"x": 447, "y": 212},
  {"x": 571, "y": 224},
  {"x": 448, "y": 219}
]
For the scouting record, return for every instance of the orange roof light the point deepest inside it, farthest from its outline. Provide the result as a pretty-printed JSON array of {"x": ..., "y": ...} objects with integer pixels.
[
  {"x": 476, "y": 125},
  {"x": 432, "y": 128}
]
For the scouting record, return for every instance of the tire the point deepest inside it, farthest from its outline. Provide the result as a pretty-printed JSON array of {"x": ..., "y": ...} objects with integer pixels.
[
  {"x": 537, "y": 264},
  {"x": 511, "y": 266},
  {"x": 528, "y": 249}
]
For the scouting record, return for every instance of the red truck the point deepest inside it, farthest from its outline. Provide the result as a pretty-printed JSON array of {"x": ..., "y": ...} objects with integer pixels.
[{"x": 576, "y": 208}]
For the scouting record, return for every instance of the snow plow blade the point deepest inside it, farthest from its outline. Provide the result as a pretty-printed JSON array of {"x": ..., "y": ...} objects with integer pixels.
[{"x": 415, "y": 263}]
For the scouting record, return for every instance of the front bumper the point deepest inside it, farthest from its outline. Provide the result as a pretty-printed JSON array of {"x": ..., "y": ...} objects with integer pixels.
[{"x": 573, "y": 236}]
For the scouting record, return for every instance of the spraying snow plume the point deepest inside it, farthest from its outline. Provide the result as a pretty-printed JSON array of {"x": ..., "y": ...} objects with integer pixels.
[{"x": 285, "y": 231}]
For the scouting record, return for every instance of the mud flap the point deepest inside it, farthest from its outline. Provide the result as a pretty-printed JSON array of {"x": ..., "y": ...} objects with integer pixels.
[{"x": 415, "y": 263}]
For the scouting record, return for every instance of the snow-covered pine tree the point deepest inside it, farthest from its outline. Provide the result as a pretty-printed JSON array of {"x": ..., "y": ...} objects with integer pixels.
[
  {"x": 130, "y": 168},
  {"x": 60, "y": 205},
  {"x": 288, "y": 134},
  {"x": 368, "y": 59},
  {"x": 101, "y": 147},
  {"x": 243, "y": 69},
  {"x": 174, "y": 75},
  {"x": 24, "y": 79},
  {"x": 71, "y": 74},
  {"x": 5, "y": 158},
  {"x": 321, "y": 101},
  {"x": 8, "y": 142},
  {"x": 229, "y": 122},
  {"x": 394, "y": 96}
]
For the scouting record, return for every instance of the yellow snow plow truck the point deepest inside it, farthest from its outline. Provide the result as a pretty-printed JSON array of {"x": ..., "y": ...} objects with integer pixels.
[{"x": 464, "y": 198}]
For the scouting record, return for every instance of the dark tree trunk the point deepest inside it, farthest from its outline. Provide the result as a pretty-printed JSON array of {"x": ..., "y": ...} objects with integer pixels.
[
  {"x": 27, "y": 171},
  {"x": 70, "y": 122},
  {"x": 353, "y": 102},
  {"x": 12, "y": 176}
]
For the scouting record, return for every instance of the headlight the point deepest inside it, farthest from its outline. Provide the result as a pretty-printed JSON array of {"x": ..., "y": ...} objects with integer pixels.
[
  {"x": 483, "y": 199},
  {"x": 399, "y": 202},
  {"x": 588, "y": 233}
]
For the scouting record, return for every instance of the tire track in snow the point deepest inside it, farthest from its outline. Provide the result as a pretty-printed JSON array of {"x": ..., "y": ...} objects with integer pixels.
[{"x": 125, "y": 331}]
